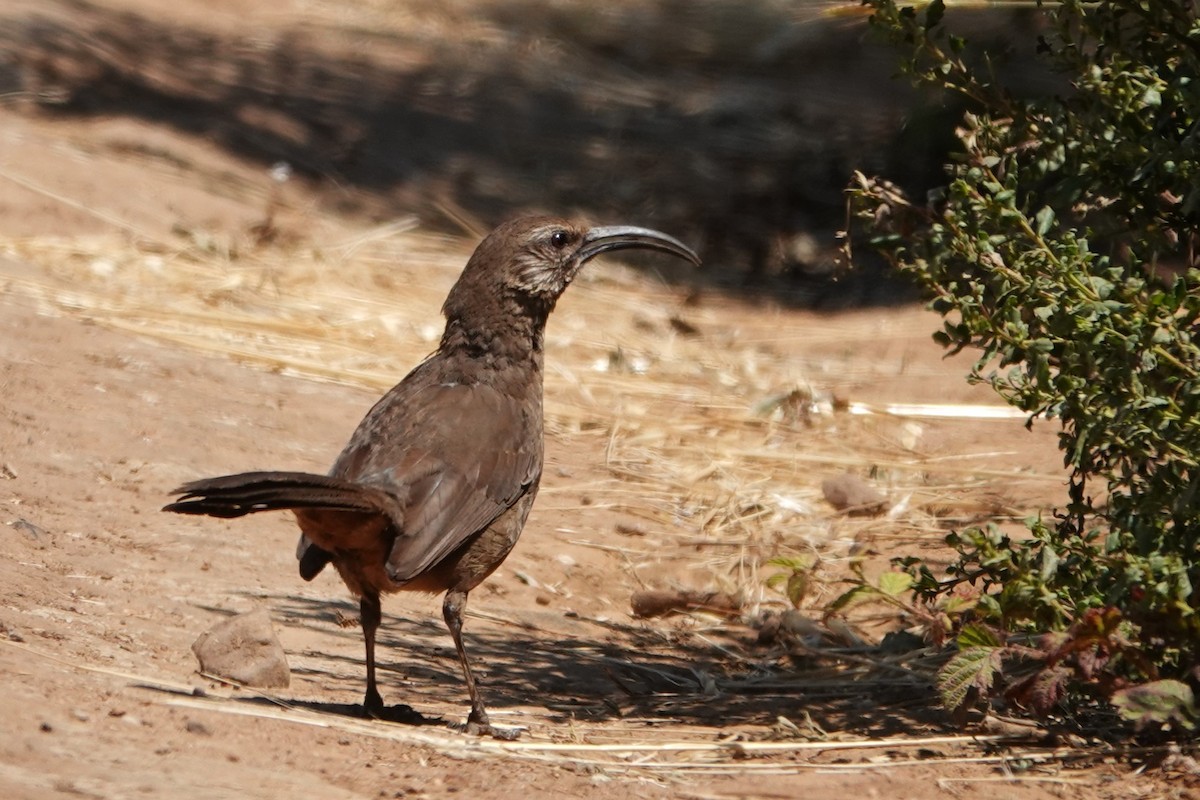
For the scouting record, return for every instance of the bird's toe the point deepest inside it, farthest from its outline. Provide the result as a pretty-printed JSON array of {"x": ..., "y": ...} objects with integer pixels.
[{"x": 488, "y": 729}]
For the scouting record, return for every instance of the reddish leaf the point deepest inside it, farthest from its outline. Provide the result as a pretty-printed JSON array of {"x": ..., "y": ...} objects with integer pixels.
[
  {"x": 1042, "y": 690},
  {"x": 1092, "y": 661}
]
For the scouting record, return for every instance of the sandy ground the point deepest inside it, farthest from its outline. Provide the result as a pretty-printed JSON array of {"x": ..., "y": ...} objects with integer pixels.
[{"x": 101, "y": 596}]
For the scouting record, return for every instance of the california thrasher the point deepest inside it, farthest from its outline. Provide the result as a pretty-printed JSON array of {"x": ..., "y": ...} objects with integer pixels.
[{"x": 434, "y": 487}]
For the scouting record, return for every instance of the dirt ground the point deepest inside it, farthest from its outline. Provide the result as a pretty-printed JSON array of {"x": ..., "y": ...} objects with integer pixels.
[{"x": 101, "y": 596}]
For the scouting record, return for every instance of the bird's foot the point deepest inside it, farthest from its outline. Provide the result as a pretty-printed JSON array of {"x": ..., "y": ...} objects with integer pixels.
[
  {"x": 481, "y": 726},
  {"x": 503, "y": 734},
  {"x": 373, "y": 703}
]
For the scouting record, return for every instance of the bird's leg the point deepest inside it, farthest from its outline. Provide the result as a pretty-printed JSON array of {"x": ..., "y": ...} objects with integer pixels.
[
  {"x": 478, "y": 722},
  {"x": 370, "y": 613},
  {"x": 452, "y": 611}
]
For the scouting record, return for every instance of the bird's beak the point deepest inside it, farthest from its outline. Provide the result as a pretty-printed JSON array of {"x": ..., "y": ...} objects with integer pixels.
[{"x": 622, "y": 237}]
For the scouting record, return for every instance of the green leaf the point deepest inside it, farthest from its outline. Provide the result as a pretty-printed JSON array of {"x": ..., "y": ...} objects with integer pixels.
[
  {"x": 794, "y": 563},
  {"x": 1044, "y": 220},
  {"x": 977, "y": 636},
  {"x": 954, "y": 604},
  {"x": 797, "y": 587},
  {"x": 1049, "y": 563},
  {"x": 974, "y": 667},
  {"x": 862, "y": 593},
  {"x": 1102, "y": 286},
  {"x": 895, "y": 584},
  {"x": 1158, "y": 702},
  {"x": 934, "y": 13},
  {"x": 1044, "y": 313}
]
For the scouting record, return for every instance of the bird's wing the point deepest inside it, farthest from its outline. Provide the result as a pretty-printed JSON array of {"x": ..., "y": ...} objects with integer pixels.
[{"x": 456, "y": 456}]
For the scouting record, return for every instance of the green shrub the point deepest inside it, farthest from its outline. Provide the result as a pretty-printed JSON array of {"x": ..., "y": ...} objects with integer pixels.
[{"x": 1064, "y": 249}]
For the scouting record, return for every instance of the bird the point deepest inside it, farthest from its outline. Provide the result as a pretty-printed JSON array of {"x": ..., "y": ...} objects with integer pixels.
[{"x": 435, "y": 484}]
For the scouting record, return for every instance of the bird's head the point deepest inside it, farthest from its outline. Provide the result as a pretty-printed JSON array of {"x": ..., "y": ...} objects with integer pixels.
[
  {"x": 545, "y": 254},
  {"x": 527, "y": 263}
]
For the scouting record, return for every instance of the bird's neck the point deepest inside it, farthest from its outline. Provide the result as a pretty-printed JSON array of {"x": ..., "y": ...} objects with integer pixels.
[{"x": 503, "y": 341}]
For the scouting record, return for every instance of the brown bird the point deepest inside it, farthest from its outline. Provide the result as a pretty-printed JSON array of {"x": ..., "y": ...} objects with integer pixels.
[{"x": 434, "y": 487}]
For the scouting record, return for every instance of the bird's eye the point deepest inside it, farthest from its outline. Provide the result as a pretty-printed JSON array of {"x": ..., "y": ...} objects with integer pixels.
[{"x": 559, "y": 239}]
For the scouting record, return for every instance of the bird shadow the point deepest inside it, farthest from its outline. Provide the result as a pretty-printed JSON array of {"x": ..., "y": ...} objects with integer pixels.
[{"x": 607, "y": 670}]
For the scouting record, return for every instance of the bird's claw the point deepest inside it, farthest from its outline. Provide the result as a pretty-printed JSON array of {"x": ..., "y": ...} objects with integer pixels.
[{"x": 485, "y": 728}]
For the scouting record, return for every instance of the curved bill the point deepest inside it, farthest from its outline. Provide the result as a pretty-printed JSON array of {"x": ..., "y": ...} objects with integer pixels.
[{"x": 622, "y": 237}]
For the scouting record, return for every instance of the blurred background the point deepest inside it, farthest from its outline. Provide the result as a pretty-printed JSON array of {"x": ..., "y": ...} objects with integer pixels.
[{"x": 733, "y": 124}]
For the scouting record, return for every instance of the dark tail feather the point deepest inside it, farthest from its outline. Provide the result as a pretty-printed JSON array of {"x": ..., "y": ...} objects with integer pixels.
[{"x": 250, "y": 492}]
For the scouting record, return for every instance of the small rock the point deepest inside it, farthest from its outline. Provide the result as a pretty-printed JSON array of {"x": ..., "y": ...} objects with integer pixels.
[
  {"x": 244, "y": 649},
  {"x": 199, "y": 728},
  {"x": 853, "y": 495},
  {"x": 35, "y": 532}
]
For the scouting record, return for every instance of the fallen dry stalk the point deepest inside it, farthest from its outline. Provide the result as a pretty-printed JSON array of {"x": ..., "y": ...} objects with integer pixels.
[{"x": 730, "y": 757}]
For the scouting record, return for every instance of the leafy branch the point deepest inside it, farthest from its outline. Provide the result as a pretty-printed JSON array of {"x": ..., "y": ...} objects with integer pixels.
[{"x": 1065, "y": 249}]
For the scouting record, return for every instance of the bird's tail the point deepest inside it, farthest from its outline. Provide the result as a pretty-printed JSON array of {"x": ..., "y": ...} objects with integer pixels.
[{"x": 250, "y": 492}]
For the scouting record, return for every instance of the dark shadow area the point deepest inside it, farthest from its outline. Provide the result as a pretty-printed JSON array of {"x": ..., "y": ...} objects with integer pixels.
[
  {"x": 400, "y": 714},
  {"x": 607, "y": 671},
  {"x": 732, "y": 125}
]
